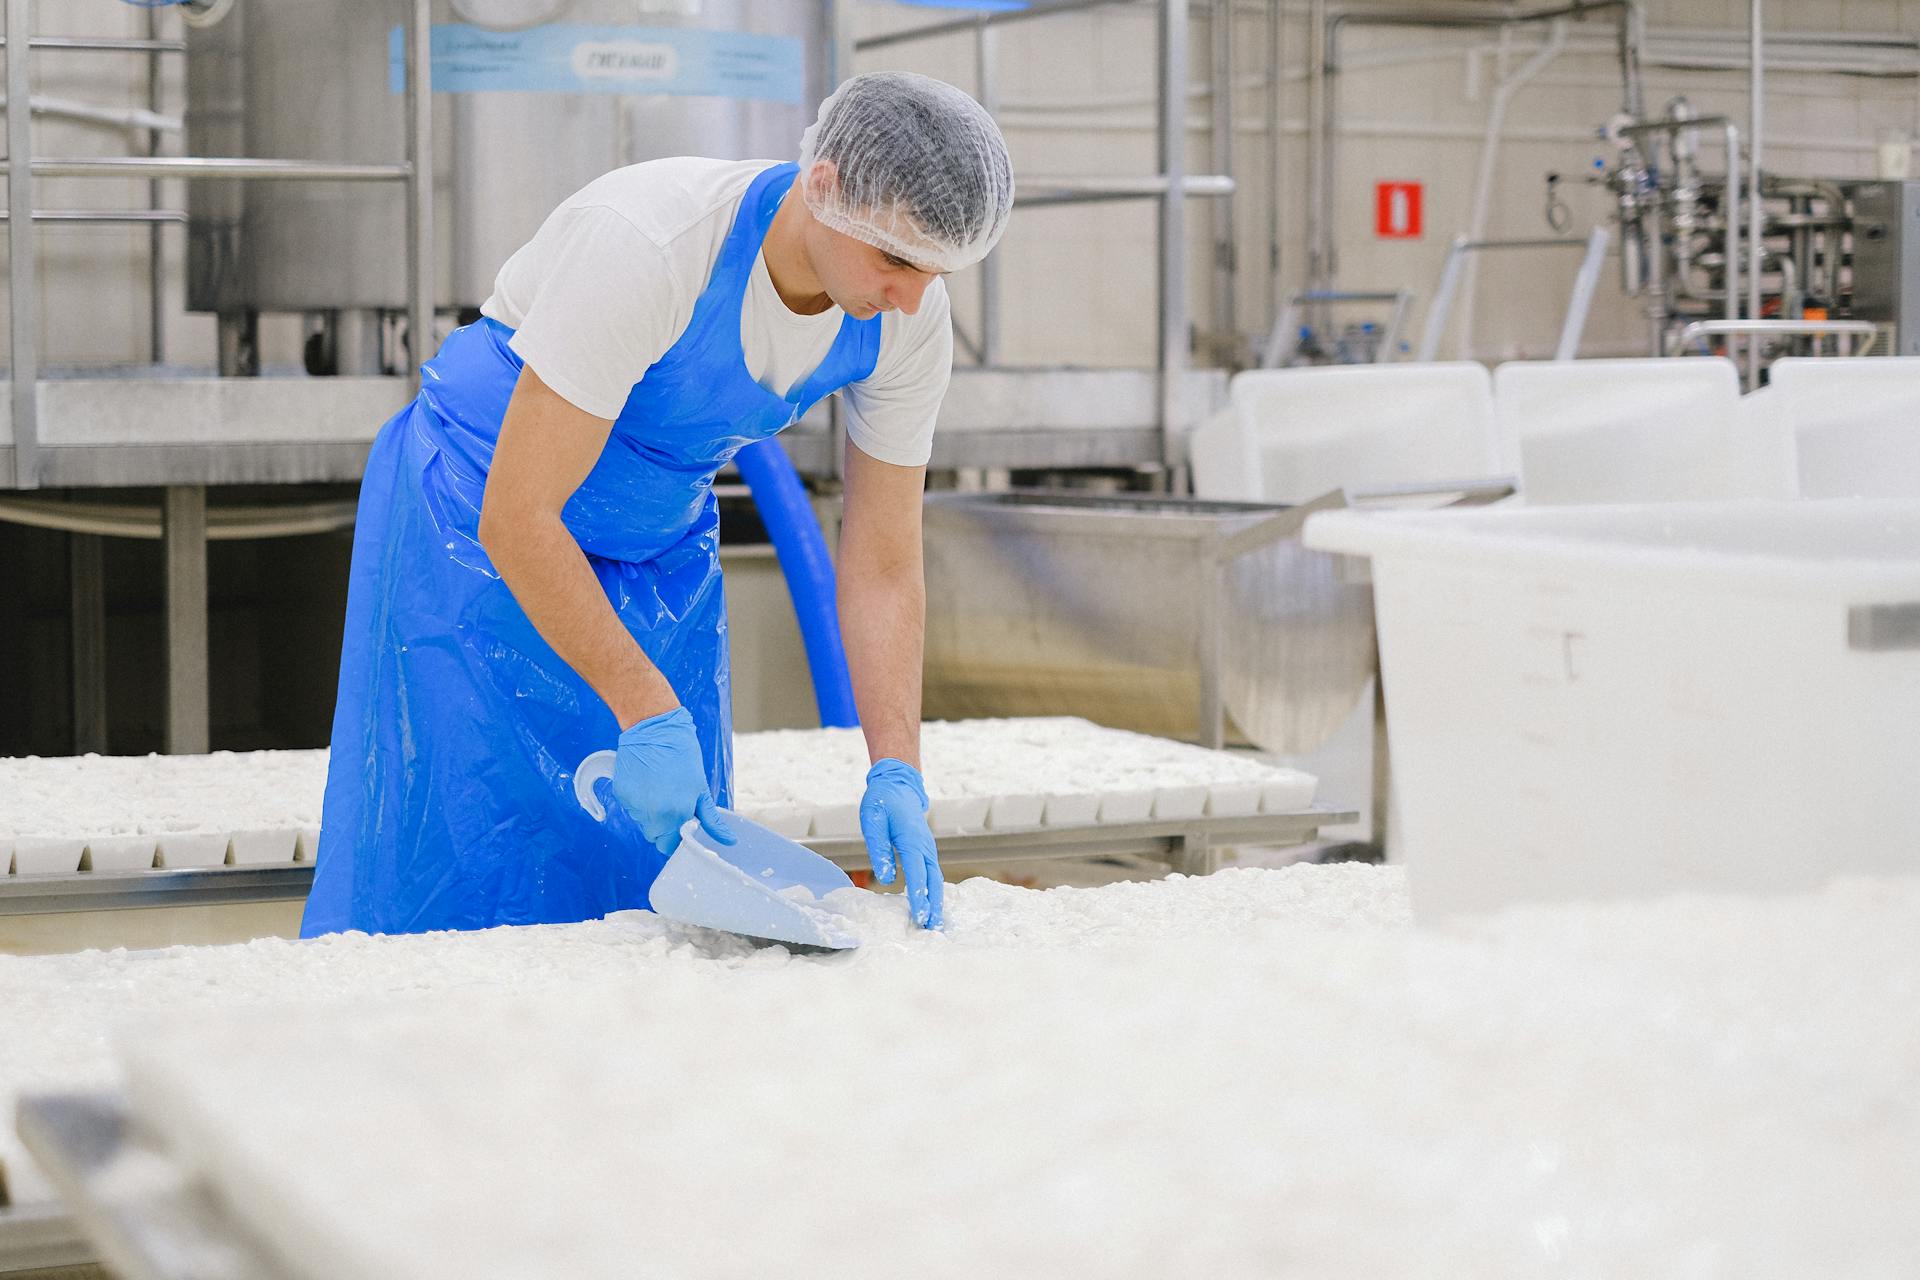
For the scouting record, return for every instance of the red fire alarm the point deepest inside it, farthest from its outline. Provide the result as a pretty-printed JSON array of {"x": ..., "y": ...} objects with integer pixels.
[{"x": 1396, "y": 210}]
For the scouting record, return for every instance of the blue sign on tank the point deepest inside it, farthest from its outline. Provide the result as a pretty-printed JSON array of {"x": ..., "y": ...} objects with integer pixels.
[{"x": 582, "y": 59}]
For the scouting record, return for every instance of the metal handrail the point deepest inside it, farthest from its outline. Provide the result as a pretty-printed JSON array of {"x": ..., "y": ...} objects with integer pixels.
[
  {"x": 146, "y": 521},
  {"x": 1593, "y": 247},
  {"x": 1171, "y": 187},
  {"x": 1046, "y": 191},
  {"x": 103, "y": 44},
  {"x": 22, "y": 283},
  {"x": 1764, "y": 328},
  {"x": 104, "y": 215},
  {"x": 214, "y": 167},
  {"x": 931, "y": 29}
]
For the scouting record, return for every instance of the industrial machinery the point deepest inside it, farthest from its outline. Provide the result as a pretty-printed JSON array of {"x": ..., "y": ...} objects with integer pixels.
[
  {"x": 1787, "y": 276},
  {"x": 1886, "y": 259}
]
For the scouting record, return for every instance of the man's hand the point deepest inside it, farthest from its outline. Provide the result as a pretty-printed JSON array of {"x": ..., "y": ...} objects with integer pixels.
[
  {"x": 883, "y": 602},
  {"x": 659, "y": 776},
  {"x": 893, "y": 818}
]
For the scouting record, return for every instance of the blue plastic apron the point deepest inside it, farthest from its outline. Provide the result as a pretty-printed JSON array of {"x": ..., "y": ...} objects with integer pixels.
[{"x": 449, "y": 799}]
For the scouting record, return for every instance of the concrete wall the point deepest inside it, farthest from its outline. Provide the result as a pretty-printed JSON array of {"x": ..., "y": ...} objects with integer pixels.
[{"x": 1077, "y": 93}]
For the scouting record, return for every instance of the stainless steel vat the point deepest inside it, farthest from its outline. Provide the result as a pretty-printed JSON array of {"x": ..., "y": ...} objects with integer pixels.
[
  {"x": 1170, "y": 616},
  {"x": 312, "y": 79}
]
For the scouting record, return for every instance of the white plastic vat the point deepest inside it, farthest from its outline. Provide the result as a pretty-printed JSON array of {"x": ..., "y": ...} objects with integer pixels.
[
  {"x": 1290, "y": 435},
  {"x": 1597, "y": 702},
  {"x": 1855, "y": 424},
  {"x": 1589, "y": 431}
]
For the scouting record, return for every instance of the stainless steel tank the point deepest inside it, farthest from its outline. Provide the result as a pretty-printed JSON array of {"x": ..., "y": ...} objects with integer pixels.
[
  {"x": 533, "y": 99},
  {"x": 1164, "y": 615}
]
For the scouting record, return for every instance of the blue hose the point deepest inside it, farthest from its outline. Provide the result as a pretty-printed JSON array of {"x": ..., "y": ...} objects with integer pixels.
[{"x": 802, "y": 551}]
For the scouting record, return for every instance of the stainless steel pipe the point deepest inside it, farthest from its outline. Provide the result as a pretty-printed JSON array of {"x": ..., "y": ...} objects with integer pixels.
[
  {"x": 1173, "y": 234},
  {"x": 1045, "y": 191},
  {"x": 211, "y": 167}
]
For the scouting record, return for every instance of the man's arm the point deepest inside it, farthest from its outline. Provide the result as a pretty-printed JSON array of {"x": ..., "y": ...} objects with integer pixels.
[
  {"x": 883, "y": 601},
  {"x": 547, "y": 446}
]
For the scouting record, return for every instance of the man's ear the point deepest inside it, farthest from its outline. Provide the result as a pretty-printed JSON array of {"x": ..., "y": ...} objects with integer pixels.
[{"x": 822, "y": 180}]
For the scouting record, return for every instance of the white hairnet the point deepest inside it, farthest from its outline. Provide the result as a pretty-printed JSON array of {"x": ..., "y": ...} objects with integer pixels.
[{"x": 920, "y": 169}]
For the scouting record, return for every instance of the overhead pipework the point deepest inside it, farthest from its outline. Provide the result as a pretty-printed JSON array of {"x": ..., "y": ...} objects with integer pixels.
[
  {"x": 1746, "y": 249},
  {"x": 1748, "y": 262},
  {"x": 1325, "y": 66}
]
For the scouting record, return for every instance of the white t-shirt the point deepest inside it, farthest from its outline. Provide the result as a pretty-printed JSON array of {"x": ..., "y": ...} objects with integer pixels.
[{"x": 609, "y": 282}]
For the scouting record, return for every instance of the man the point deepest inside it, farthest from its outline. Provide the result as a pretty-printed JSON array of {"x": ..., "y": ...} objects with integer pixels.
[{"x": 534, "y": 567}]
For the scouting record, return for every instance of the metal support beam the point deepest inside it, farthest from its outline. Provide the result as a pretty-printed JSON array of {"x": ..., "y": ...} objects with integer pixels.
[
  {"x": 1226, "y": 318},
  {"x": 1194, "y": 854},
  {"x": 86, "y": 587},
  {"x": 1756, "y": 211},
  {"x": 1173, "y": 234},
  {"x": 1319, "y": 236},
  {"x": 23, "y": 302},
  {"x": 184, "y": 549},
  {"x": 1276, "y": 140},
  {"x": 156, "y": 264},
  {"x": 420, "y": 258},
  {"x": 987, "y": 58},
  {"x": 1584, "y": 286},
  {"x": 836, "y": 52},
  {"x": 836, "y": 64}
]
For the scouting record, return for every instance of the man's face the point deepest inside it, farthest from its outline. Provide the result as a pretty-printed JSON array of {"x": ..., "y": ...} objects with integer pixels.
[{"x": 864, "y": 279}]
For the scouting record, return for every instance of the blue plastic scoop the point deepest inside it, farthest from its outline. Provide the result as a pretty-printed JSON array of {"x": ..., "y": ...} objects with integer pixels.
[{"x": 765, "y": 886}]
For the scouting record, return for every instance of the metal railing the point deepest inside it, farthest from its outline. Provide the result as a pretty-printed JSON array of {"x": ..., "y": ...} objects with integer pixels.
[
  {"x": 103, "y": 215},
  {"x": 21, "y": 167},
  {"x": 1759, "y": 330},
  {"x": 1170, "y": 187},
  {"x": 103, "y": 44},
  {"x": 1593, "y": 250},
  {"x": 1284, "y": 339}
]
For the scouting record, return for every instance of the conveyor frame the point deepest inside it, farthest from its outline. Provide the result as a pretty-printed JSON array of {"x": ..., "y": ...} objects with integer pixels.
[{"x": 1190, "y": 846}]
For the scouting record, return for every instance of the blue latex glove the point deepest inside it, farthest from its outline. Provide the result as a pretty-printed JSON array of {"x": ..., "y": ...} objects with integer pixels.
[
  {"x": 660, "y": 778},
  {"x": 893, "y": 818}
]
